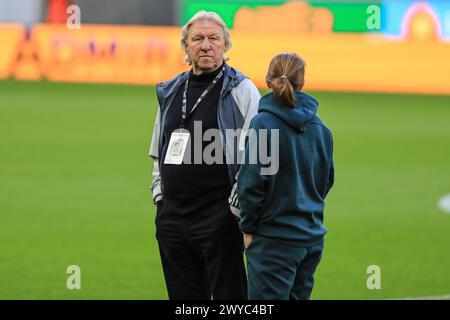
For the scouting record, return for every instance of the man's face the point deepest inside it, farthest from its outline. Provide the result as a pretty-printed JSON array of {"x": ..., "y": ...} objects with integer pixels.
[{"x": 205, "y": 46}]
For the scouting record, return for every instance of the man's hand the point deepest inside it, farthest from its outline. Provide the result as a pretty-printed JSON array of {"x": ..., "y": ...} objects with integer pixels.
[{"x": 247, "y": 239}]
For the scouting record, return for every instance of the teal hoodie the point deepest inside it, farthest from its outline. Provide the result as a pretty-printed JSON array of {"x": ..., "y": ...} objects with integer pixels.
[{"x": 289, "y": 205}]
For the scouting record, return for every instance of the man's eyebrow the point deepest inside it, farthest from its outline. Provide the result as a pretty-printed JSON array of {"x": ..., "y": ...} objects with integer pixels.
[
  {"x": 214, "y": 34},
  {"x": 195, "y": 35}
]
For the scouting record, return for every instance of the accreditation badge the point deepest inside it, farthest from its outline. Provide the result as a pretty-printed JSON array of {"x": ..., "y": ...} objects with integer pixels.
[{"x": 177, "y": 147}]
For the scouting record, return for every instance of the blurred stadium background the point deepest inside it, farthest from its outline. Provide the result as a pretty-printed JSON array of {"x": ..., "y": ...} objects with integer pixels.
[{"x": 77, "y": 108}]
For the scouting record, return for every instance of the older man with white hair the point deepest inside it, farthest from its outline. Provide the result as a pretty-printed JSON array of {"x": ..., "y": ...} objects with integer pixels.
[{"x": 200, "y": 244}]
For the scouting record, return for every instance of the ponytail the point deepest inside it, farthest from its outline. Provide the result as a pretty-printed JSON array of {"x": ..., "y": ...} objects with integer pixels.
[
  {"x": 284, "y": 91},
  {"x": 286, "y": 75}
]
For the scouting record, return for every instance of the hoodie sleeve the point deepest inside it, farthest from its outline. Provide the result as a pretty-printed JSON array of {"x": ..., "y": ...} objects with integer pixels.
[
  {"x": 330, "y": 182},
  {"x": 330, "y": 178},
  {"x": 251, "y": 184}
]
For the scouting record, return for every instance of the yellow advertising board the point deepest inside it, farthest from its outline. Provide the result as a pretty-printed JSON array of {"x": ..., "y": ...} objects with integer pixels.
[{"x": 351, "y": 62}]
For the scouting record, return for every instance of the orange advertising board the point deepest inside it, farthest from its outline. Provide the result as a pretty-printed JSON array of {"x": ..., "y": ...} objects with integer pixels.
[
  {"x": 108, "y": 54},
  {"x": 147, "y": 55},
  {"x": 11, "y": 37}
]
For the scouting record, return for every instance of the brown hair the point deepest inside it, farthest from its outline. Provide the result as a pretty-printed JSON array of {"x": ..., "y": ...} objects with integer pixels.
[{"x": 286, "y": 75}]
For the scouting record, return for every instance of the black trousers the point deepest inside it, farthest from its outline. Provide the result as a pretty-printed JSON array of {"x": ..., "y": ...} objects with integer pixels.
[{"x": 202, "y": 253}]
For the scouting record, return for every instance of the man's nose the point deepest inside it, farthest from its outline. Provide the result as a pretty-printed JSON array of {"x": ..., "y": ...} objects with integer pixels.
[{"x": 206, "y": 45}]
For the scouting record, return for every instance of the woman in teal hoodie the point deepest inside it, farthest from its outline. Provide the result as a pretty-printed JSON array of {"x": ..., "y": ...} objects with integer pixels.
[{"x": 282, "y": 213}]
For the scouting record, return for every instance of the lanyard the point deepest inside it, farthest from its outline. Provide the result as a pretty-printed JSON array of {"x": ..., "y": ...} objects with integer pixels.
[{"x": 184, "y": 107}]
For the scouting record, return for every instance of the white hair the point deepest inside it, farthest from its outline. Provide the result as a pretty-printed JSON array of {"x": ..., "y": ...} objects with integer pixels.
[{"x": 201, "y": 16}]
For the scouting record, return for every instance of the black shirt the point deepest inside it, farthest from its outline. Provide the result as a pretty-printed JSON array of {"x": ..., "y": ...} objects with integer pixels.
[{"x": 189, "y": 187}]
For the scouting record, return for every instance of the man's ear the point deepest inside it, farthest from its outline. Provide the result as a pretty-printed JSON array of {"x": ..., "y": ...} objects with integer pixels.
[{"x": 268, "y": 84}]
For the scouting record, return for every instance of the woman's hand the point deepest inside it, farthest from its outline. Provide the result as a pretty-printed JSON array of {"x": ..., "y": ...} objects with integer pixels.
[{"x": 247, "y": 239}]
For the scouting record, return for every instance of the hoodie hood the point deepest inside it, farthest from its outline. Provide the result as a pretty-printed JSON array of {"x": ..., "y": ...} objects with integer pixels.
[{"x": 297, "y": 118}]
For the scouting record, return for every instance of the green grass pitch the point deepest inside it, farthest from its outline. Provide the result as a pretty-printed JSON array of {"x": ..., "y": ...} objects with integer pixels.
[{"x": 75, "y": 177}]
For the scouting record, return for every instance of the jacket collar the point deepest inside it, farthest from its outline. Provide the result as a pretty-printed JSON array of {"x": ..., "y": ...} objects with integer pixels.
[{"x": 164, "y": 90}]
